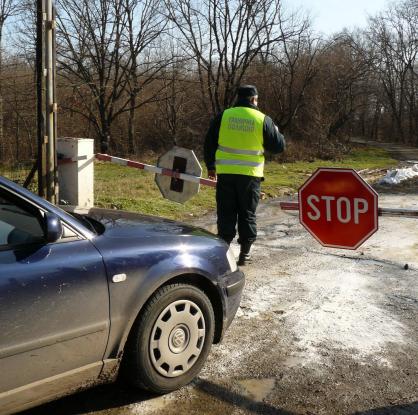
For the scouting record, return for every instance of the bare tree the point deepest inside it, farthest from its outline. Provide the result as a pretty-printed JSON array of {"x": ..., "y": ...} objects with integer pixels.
[
  {"x": 109, "y": 50},
  {"x": 26, "y": 32},
  {"x": 291, "y": 68},
  {"x": 224, "y": 38},
  {"x": 394, "y": 47},
  {"x": 145, "y": 25},
  {"x": 8, "y": 8},
  {"x": 181, "y": 60},
  {"x": 90, "y": 58}
]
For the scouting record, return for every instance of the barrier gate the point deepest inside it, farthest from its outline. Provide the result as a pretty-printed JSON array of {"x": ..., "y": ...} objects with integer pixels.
[
  {"x": 177, "y": 174},
  {"x": 336, "y": 206}
]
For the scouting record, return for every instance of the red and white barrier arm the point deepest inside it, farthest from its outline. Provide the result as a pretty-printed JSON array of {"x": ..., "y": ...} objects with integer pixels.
[
  {"x": 409, "y": 213},
  {"x": 156, "y": 170}
]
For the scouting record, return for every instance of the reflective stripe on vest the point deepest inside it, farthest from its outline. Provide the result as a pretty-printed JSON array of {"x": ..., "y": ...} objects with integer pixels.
[
  {"x": 238, "y": 163},
  {"x": 244, "y": 152},
  {"x": 240, "y": 144}
]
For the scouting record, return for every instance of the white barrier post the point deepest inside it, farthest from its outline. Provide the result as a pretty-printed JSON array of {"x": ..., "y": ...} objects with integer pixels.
[{"x": 76, "y": 171}]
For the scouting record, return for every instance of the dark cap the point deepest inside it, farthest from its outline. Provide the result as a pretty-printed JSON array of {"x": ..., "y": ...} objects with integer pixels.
[{"x": 247, "y": 91}]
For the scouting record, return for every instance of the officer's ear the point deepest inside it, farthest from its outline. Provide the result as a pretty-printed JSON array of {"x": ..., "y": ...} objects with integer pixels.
[{"x": 254, "y": 100}]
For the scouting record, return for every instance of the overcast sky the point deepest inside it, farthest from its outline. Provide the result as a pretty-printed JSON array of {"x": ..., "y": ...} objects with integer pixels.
[{"x": 330, "y": 16}]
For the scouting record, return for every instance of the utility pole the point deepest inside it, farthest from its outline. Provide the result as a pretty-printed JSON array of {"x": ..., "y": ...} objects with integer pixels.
[
  {"x": 51, "y": 106},
  {"x": 40, "y": 93},
  {"x": 46, "y": 105}
]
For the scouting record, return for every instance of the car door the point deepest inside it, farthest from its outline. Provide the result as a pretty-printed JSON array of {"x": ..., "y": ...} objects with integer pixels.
[{"x": 54, "y": 303}]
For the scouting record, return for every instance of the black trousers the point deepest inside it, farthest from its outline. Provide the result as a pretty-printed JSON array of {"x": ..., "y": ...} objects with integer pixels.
[{"x": 237, "y": 198}]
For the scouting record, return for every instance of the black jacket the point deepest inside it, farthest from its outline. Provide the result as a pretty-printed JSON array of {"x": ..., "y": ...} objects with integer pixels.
[{"x": 273, "y": 141}]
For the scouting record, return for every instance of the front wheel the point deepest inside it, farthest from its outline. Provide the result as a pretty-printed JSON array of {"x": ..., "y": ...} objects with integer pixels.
[{"x": 171, "y": 339}]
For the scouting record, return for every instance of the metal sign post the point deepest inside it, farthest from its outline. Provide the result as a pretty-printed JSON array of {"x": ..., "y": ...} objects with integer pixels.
[{"x": 390, "y": 212}]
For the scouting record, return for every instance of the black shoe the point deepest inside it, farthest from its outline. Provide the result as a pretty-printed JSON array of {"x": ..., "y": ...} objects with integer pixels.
[{"x": 243, "y": 259}]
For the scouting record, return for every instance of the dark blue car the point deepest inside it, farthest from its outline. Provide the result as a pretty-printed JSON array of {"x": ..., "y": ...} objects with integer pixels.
[{"x": 87, "y": 296}]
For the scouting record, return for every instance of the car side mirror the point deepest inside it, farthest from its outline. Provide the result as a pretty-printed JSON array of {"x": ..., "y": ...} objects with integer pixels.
[{"x": 53, "y": 227}]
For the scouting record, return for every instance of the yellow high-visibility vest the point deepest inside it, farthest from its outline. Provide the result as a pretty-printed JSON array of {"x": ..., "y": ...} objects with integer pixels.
[{"x": 240, "y": 144}]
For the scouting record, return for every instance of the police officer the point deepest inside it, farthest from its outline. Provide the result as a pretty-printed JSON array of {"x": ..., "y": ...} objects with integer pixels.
[{"x": 234, "y": 154}]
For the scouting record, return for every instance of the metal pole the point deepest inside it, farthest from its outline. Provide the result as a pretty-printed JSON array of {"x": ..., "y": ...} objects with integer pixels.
[
  {"x": 406, "y": 213},
  {"x": 55, "y": 108},
  {"x": 40, "y": 91},
  {"x": 50, "y": 104},
  {"x": 397, "y": 212}
]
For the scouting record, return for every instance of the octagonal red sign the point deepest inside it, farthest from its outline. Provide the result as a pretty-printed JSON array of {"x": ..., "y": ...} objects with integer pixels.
[{"x": 338, "y": 208}]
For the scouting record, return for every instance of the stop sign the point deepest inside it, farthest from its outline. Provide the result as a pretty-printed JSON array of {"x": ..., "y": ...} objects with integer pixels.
[{"x": 338, "y": 208}]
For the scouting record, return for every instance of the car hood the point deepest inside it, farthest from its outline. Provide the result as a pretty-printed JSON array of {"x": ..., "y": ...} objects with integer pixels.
[
  {"x": 131, "y": 242},
  {"x": 117, "y": 223}
]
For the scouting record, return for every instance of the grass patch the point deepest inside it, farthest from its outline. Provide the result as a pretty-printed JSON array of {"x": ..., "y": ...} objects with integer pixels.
[
  {"x": 18, "y": 172},
  {"x": 284, "y": 178},
  {"x": 124, "y": 188},
  {"x": 131, "y": 189}
]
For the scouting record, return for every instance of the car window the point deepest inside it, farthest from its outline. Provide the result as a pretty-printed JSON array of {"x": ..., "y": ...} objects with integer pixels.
[
  {"x": 19, "y": 222},
  {"x": 68, "y": 233}
]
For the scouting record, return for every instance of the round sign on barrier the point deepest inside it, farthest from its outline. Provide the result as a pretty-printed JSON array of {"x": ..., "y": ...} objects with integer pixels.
[
  {"x": 180, "y": 160},
  {"x": 338, "y": 208}
]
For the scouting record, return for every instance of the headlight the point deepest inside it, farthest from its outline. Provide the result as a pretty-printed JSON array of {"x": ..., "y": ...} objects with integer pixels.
[{"x": 231, "y": 260}]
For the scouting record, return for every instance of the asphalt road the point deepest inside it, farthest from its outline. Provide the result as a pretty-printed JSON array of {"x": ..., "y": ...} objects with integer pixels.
[{"x": 319, "y": 331}]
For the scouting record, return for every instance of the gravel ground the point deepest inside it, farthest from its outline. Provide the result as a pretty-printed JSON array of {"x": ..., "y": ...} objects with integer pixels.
[{"x": 319, "y": 331}]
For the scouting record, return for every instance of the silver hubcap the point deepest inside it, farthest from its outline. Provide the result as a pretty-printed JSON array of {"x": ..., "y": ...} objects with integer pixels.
[{"x": 177, "y": 338}]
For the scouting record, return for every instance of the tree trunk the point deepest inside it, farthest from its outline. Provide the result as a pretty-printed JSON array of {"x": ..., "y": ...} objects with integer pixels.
[
  {"x": 132, "y": 147},
  {"x": 104, "y": 137},
  {"x": 17, "y": 137}
]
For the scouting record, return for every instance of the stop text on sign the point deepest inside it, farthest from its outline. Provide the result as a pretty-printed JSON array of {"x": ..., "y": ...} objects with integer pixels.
[
  {"x": 346, "y": 210},
  {"x": 338, "y": 208}
]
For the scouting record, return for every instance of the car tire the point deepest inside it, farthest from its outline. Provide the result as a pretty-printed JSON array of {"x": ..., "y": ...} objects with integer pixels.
[{"x": 171, "y": 339}]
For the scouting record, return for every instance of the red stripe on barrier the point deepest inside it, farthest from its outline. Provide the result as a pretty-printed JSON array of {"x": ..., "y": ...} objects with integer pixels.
[
  {"x": 289, "y": 205},
  {"x": 208, "y": 182},
  {"x": 135, "y": 164},
  {"x": 103, "y": 157},
  {"x": 170, "y": 173}
]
